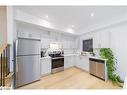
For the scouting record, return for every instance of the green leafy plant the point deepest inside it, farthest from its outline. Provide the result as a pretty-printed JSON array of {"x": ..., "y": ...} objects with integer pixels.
[{"x": 107, "y": 53}]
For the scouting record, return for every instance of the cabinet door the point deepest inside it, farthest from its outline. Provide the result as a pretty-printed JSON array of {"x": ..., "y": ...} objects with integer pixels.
[
  {"x": 77, "y": 43},
  {"x": 93, "y": 67},
  {"x": 100, "y": 67},
  {"x": 68, "y": 62},
  {"x": 104, "y": 39},
  {"x": 85, "y": 63},
  {"x": 45, "y": 67},
  {"x": 82, "y": 62},
  {"x": 23, "y": 34},
  {"x": 77, "y": 61},
  {"x": 101, "y": 39},
  {"x": 96, "y": 40},
  {"x": 74, "y": 45},
  {"x": 34, "y": 35},
  {"x": 45, "y": 43},
  {"x": 64, "y": 44},
  {"x": 71, "y": 61}
]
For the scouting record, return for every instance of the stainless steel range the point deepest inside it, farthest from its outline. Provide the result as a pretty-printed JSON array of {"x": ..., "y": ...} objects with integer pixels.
[{"x": 57, "y": 61}]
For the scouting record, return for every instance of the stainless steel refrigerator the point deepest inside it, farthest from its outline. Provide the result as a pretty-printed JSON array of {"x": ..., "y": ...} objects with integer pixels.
[{"x": 27, "y": 61}]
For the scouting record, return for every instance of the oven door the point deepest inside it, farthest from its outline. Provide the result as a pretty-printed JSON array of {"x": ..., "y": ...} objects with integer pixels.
[{"x": 57, "y": 65}]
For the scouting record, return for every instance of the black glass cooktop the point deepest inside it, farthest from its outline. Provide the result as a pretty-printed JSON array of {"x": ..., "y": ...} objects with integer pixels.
[{"x": 55, "y": 55}]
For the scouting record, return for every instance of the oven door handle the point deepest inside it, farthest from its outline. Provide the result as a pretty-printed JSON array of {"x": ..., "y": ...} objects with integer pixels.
[{"x": 58, "y": 58}]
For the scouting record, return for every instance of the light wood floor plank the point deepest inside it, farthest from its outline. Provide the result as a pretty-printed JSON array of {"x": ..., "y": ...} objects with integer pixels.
[{"x": 72, "y": 78}]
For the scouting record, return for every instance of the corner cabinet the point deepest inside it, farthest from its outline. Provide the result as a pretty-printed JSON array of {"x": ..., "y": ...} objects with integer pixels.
[
  {"x": 68, "y": 61},
  {"x": 82, "y": 62}
]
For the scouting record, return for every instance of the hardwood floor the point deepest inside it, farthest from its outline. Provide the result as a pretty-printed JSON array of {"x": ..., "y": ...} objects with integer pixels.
[{"x": 72, "y": 78}]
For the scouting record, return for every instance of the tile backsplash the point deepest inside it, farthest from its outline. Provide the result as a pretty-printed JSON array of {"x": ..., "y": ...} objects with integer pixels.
[
  {"x": 70, "y": 51},
  {"x": 96, "y": 51}
]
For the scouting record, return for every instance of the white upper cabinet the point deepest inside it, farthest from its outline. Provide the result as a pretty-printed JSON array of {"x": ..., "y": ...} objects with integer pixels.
[
  {"x": 74, "y": 44},
  {"x": 69, "y": 44},
  {"x": 45, "y": 42},
  {"x": 77, "y": 43},
  {"x": 65, "y": 41},
  {"x": 33, "y": 35},
  {"x": 64, "y": 44},
  {"x": 23, "y": 34},
  {"x": 96, "y": 41},
  {"x": 101, "y": 39},
  {"x": 105, "y": 38}
]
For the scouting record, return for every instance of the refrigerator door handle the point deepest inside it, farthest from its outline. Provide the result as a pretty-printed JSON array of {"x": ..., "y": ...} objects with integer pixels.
[
  {"x": 16, "y": 55},
  {"x": 17, "y": 66},
  {"x": 16, "y": 44}
]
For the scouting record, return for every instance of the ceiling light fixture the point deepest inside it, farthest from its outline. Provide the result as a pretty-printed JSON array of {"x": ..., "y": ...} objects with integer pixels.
[
  {"x": 92, "y": 14},
  {"x": 72, "y": 26},
  {"x": 47, "y": 16},
  {"x": 45, "y": 23},
  {"x": 70, "y": 30}
]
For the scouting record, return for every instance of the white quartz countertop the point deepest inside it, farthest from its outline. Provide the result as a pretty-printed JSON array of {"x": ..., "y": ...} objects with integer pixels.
[
  {"x": 77, "y": 54},
  {"x": 98, "y": 58},
  {"x": 71, "y": 55},
  {"x": 125, "y": 83}
]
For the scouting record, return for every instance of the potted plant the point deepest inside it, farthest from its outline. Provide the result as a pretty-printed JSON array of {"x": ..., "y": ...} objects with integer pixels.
[{"x": 107, "y": 53}]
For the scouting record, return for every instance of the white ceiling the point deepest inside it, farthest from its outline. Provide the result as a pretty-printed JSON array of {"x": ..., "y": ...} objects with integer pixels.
[{"x": 79, "y": 16}]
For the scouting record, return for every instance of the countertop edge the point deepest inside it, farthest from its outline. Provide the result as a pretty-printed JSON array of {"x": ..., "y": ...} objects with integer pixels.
[{"x": 98, "y": 58}]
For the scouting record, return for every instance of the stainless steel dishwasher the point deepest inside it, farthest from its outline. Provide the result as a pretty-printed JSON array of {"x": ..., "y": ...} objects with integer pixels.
[{"x": 98, "y": 68}]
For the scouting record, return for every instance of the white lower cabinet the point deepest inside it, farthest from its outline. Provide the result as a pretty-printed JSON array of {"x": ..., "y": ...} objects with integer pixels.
[
  {"x": 82, "y": 62},
  {"x": 45, "y": 66},
  {"x": 77, "y": 63},
  {"x": 68, "y": 61}
]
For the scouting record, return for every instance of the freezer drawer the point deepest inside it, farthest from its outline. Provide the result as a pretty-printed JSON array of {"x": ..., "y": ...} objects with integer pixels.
[{"x": 28, "y": 69}]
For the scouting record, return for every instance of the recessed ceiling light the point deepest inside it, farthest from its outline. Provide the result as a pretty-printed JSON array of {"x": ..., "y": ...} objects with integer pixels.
[
  {"x": 70, "y": 30},
  {"x": 46, "y": 23},
  {"x": 72, "y": 26},
  {"x": 47, "y": 16},
  {"x": 92, "y": 14}
]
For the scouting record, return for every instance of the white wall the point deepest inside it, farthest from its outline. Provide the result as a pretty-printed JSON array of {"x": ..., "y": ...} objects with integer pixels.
[
  {"x": 11, "y": 32},
  {"x": 119, "y": 46},
  {"x": 117, "y": 42}
]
